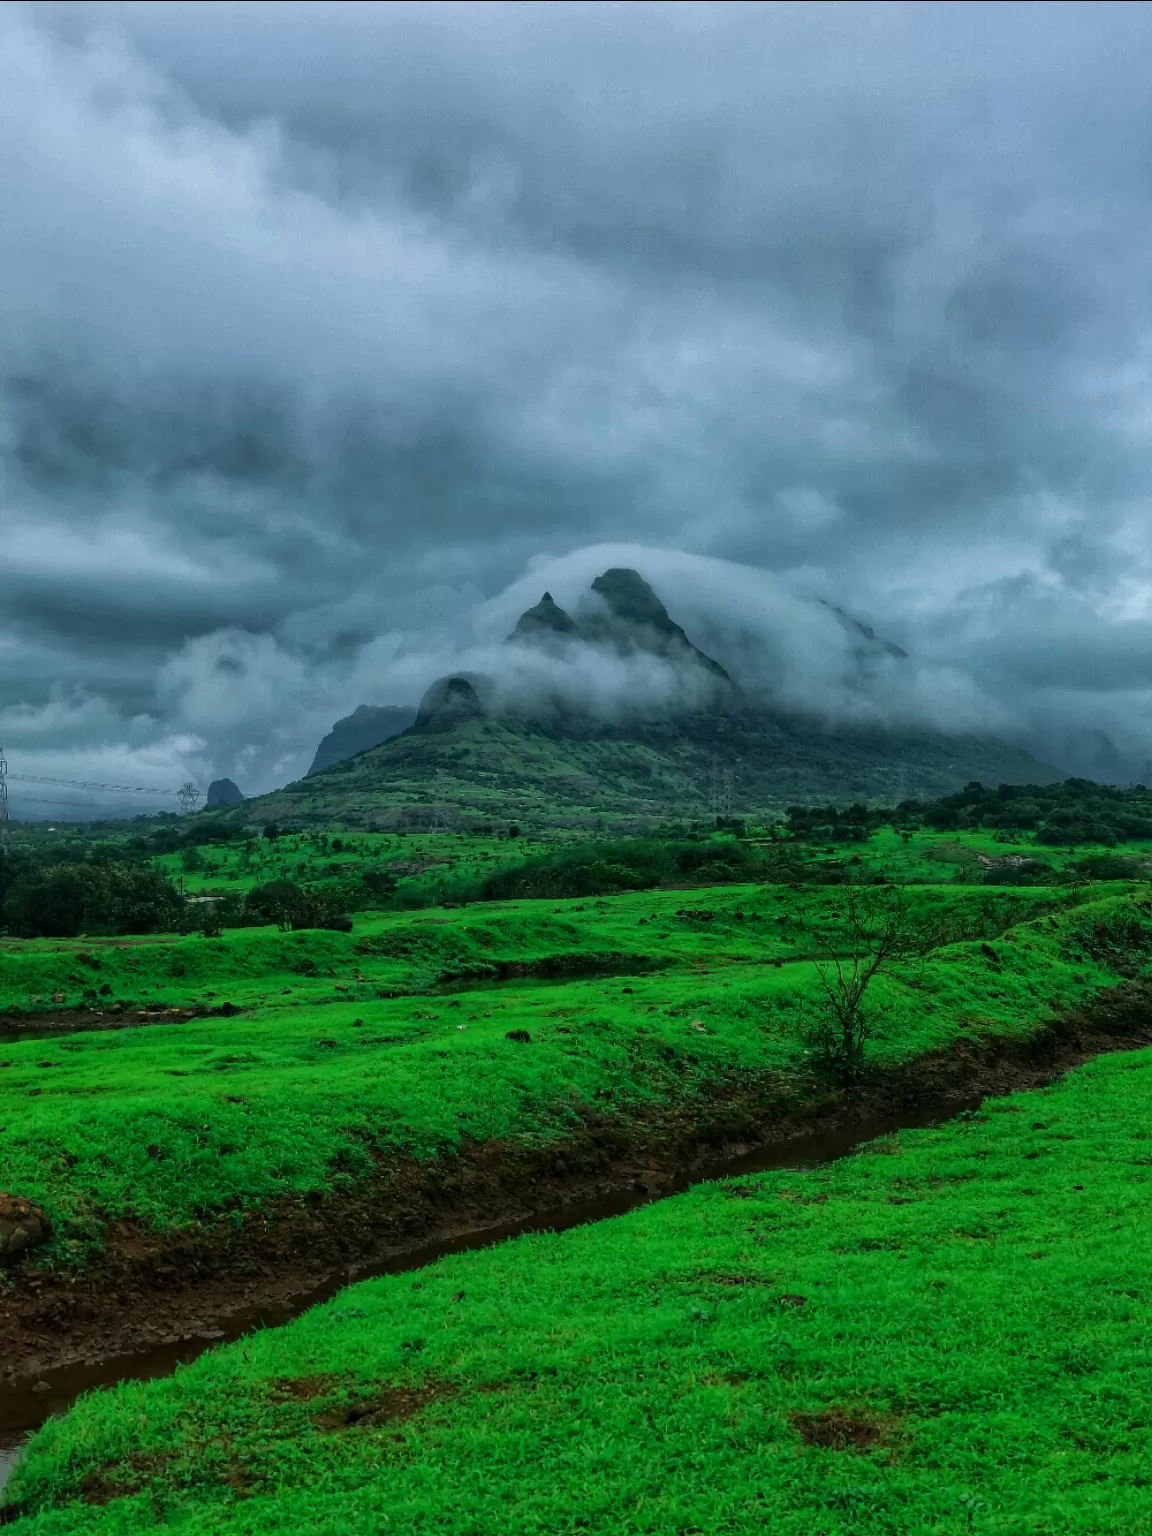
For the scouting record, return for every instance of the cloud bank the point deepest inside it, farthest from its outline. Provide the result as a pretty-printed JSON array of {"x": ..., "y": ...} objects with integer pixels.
[{"x": 323, "y": 321}]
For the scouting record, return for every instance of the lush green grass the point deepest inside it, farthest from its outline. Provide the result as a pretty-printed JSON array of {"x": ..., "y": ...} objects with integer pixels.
[
  {"x": 436, "y": 866},
  {"x": 946, "y": 1333},
  {"x": 418, "y": 861},
  {"x": 409, "y": 952},
  {"x": 177, "y": 1123},
  {"x": 925, "y": 857}
]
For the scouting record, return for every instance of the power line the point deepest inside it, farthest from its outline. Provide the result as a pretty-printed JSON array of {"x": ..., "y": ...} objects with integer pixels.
[
  {"x": 83, "y": 805},
  {"x": 121, "y": 789}
]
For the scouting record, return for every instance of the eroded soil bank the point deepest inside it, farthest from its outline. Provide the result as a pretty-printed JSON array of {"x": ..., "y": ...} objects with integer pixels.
[
  {"x": 48, "y": 1024},
  {"x": 156, "y": 1299}
]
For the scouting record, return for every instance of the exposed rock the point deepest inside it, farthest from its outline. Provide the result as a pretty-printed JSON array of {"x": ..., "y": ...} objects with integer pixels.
[
  {"x": 22, "y": 1226},
  {"x": 633, "y": 618},
  {"x": 865, "y": 639},
  {"x": 222, "y": 792},
  {"x": 632, "y": 600},
  {"x": 449, "y": 701},
  {"x": 624, "y": 612},
  {"x": 366, "y": 727},
  {"x": 545, "y": 622}
]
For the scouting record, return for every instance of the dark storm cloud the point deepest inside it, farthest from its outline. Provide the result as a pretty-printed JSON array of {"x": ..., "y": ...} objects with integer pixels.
[{"x": 321, "y": 321}]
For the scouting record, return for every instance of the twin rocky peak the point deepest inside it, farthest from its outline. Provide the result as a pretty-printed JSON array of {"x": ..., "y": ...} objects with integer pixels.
[
  {"x": 621, "y": 614},
  {"x": 624, "y": 614}
]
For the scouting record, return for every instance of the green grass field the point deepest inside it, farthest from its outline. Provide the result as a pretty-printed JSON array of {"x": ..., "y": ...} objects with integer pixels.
[
  {"x": 409, "y": 952},
  {"x": 418, "y": 860},
  {"x": 425, "y": 862},
  {"x": 175, "y": 1124},
  {"x": 946, "y": 1333}
]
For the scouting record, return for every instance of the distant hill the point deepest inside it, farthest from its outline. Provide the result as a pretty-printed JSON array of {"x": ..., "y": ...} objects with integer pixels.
[
  {"x": 222, "y": 792},
  {"x": 467, "y": 759},
  {"x": 366, "y": 727}
]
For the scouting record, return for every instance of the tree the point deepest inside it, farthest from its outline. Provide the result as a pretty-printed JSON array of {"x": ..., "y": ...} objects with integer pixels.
[
  {"x": 63, "y": 900},
  {"x": 878, "y": 929},
  {"x": 289, "y": 906}
]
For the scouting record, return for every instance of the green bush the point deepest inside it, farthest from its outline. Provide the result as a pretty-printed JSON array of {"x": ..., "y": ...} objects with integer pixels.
[
  {"x": 290, "y": 906},
  {"x": 636, "y": 864},
  {"x": 64, "y": 900}
]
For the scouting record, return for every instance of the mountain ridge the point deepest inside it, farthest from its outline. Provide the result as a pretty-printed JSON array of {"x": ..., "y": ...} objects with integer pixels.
[
  {"x": 469, "y": 758},
  {"x": 366, "y": 727}
]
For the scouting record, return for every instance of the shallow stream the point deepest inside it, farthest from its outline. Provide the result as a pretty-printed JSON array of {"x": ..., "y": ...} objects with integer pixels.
[{"x": 25, "y": 1410}]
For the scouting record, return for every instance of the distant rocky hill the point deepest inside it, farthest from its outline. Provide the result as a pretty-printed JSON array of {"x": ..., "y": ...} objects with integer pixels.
[
  {"x": 472, "y": 756},
  {"x": 222, "y": 792},
  {"x": 366, "y": 727}
]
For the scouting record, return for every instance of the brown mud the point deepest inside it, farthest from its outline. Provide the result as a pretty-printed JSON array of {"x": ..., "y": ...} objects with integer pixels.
[
  {"x": 154, "y": 1300},
  {"x": 69, "y": 1021}
]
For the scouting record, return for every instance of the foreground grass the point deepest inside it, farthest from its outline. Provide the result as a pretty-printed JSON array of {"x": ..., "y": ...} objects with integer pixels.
[
  {"x": 181, "y": 1124},
  {"x": 947, "y": 1332}
]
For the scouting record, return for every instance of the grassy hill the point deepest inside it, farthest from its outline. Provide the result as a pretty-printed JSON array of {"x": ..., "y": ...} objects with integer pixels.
[
  {"x": 478, "y": 769},
  {"x": 471, "y": 757}
]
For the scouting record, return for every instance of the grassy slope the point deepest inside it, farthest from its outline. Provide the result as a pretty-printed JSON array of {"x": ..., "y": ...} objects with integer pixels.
[
  {"x": 945, "y": 1333},
  {"x": 408, "y": 952},
  {"x": 178, "y": 1122},
  {"x": 934, "y": 856},
  {"x": 414, "y": 858},
  {"x": 426, "y": 862},
  {"x": 501, "y": 770}
]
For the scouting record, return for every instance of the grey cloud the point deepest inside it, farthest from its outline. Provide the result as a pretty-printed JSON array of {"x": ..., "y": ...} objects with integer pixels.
[{"x": 322, "y": 320}]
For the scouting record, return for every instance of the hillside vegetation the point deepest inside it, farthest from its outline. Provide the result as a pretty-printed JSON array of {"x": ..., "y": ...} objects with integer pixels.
[
  {"x": 543, "y": 775},
  {"x": 336, "y": 1044}
]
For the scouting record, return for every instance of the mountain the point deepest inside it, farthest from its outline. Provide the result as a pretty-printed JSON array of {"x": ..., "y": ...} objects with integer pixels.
[
  {"x": 366, "y": 727},
  {"x": 623, "y": 614},
  {"x": 546, "y": 624},
  {"x": 470, "y": 758},
  {"x": 222, "y": 792}
]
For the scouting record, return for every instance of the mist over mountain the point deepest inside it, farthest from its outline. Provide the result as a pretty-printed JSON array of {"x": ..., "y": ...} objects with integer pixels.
[{"x": 611, "y": 716}]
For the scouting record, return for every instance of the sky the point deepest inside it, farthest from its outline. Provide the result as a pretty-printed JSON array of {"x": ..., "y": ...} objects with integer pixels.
[{"x": 329, "y": 331}]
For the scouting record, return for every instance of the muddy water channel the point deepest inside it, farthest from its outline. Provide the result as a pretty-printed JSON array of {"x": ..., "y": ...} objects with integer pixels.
[
  {"x": 25, "y": 1409},
  {"x": 518, "y": 978}
]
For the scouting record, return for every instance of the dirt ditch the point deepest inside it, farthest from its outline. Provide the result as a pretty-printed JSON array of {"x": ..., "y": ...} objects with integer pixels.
[
  {"x": 156, "y": 1300},
  {"x": 70, "y": 1021}
]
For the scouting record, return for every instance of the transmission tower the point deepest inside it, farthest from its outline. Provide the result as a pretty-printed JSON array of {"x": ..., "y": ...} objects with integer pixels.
[
  {"x": 3, "y": 800},
  {"x": 189, "y": 795},
  {"x": 722, "y": 784}
]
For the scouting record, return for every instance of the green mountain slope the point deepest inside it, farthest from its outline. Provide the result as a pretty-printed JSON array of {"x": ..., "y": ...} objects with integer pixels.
[
  {"x": 468, "y": 759},
  {"x": 480, "y": 769},
  {"x": 367, "y": 726}
]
